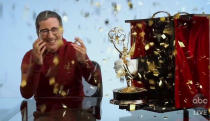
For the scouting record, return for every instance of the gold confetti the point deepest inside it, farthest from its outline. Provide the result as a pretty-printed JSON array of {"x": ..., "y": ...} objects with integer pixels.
[
  {"x": 52, "y": 81},
  {"x": 56, "y": 60},
  {"x": 142, "y": 34},
  {"x": 163, "y": 36},
  {"x": 131, "y": 53},
  {"x": 169, "y": 75},
  {"x": 174, "y": 52},
  {"x": 130, "y": 5},
  {"x": 150, "y": 22},
  {"x": 189, "y": 82},
  {"x": 139, "y": 82},
  {"x": 72, "y": 62},
  {"x": 61, "y": 29},
  {"x": 160, "y": 83},
  {"x": 162, "y": 19},
  {"x": 166, "y": 45},
  {"x": 151, "y": 81},
  {"x": 162, "y": 44},
  {"x": 23, "y": 83},
  {"x": 147, "y": 47},
  {"x": 177, "y": 16},
  {"x": 63, "y": 93},
  {"x": 139, "y": 26},
  {"x": 156, "y": 73},
  {"x": 139, "y": 76},
  {"x": 156, "y": 52},
  {"x": 142, "y": 60},
  {"x": 60, "y": 42},
  {"x": 152, "y": 87},
  {"x": 64, "y": 113},
  {"x": 134, "y": 33},
  {"x": 181, "y": 44},
  {"x": 132, "y": 107},
  {"x": 151, "y": 66},
  {"x": 201, "y": 86},
  {"x": 151, "y": 43},
  {"x": 160, "y": 61},
  {"x": 95, "y": 81},
  {"x": 43, "y": 108},
  {"x": 55, "y": 90},
  {"x": 64, "y": 106},
  {"x": 168, "y": 31}
]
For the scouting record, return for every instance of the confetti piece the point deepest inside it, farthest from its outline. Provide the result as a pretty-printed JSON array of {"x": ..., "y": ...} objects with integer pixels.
[
  {"x": 201, "y": 86},
  {"x": 64, "y": 113},
  {"x": 166, "y": 45},
  {"x": 65, "y": 17},
  {"x": 151, "y": 81},
  {"x": 189, "y": 82},
  {"x": 131, "y": 53},
  {"x": 43, "y": 108},
  {"x": 64, "y": 106},
  {"x": 87, "y": 14},
  {"x": 132, "y": 107},
  {"x": 147, "y": 47},
  {"x": 165, "y": 117},
  {"x": 150, "y": 22},
  {"x": 116, "y": 7},
  {"x": 151, "y": 43},
  {"x": 160, "y": 83},
  {"x": 56, "y": 60},
  {"x": 152, "y": 87},
  {"x": 162, "y": 19},
  {"x": 181, "y": 44},
  {"x": 100, "y": 29},
  {"x": 155, "y": 72},
  {"x": 163, "y": 36},
  {"x": 130, "y": 4},
  {"x": 23, "y": 83},
  {"x": 139, "y": 26},
  {"x": 177, "y": 16},
  {"x": 142, "y": 34},
  {"x": 174, "y": 52},
  {"x": 168, "y": 31},
  {"x": 52, "y": 81},
  {"x": 63, "y": 93},
  {"x": 134, "y": 33},
  {"x": 72, "y": 62},
  {"x": 55, "y": 90},
  {"x": 106, "y": 22}
]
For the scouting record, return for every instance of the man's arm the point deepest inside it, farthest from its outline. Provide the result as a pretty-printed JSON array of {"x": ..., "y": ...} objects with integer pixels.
[
  {"x": 30, "y": 74},
  {"x": 31, "y": 69},
  {"x": 91, "y": 74}
]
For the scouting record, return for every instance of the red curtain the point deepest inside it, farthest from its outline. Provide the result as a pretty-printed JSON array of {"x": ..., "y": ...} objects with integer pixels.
[{"x": 192, "y": 61}]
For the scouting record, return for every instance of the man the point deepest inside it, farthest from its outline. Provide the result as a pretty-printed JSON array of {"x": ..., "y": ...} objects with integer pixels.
[{"x": 55, "y": 67}]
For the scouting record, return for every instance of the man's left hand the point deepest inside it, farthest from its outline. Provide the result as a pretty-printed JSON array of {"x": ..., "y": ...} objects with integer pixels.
[{"x": 80, "y": 50}]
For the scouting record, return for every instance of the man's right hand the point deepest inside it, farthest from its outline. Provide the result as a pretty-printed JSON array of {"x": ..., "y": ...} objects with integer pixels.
[{"x": 39, "y": 48}]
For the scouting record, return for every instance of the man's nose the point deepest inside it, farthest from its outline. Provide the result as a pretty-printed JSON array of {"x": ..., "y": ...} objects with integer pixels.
[{"x": 50, "y": 35}]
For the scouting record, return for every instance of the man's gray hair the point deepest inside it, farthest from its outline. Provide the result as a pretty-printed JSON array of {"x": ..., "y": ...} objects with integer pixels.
[{"x": 44, "y": 15}]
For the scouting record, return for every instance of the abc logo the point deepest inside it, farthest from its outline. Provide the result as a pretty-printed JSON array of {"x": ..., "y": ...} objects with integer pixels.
[{"x": 199, "y": 100}]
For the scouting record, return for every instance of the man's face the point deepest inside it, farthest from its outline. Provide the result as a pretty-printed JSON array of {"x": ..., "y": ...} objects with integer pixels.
[{"x": 51, "y": 32}]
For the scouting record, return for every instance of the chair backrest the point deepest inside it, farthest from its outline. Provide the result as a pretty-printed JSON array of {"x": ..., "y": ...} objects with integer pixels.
[{"x": 99, "y": 90}]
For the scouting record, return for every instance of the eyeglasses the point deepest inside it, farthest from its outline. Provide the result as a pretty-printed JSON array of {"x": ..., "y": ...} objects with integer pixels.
[{"x": 45, "y": 32}]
